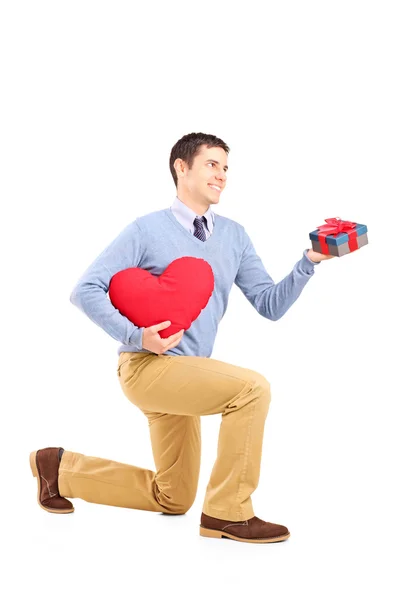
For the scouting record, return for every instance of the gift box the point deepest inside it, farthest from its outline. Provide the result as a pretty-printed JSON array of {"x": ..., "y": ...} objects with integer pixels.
[{"x": 337, "y": 237}]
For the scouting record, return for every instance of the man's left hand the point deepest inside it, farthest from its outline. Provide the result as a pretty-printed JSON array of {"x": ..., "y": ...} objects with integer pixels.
[{"x": 317, "y": 256}]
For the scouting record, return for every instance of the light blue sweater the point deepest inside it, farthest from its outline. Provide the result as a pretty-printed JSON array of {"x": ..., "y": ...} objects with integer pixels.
[{"x": 153, "y": 241}]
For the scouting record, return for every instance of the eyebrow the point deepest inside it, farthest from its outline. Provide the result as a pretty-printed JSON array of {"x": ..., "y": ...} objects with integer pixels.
[{"x": 217, "y": 162}]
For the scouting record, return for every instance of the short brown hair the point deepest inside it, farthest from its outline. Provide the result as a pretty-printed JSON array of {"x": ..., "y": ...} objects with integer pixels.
[{"x": 188, "y": 147}]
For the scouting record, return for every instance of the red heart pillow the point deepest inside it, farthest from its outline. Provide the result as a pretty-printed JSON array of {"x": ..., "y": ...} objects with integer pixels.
[{"x": 178, "y": 295}]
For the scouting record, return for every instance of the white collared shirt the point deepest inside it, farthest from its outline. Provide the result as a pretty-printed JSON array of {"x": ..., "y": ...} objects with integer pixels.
[{"x": 186, "y": 216}]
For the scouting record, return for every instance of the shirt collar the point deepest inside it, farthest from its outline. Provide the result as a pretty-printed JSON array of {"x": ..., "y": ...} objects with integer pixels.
[{"x": 188, "y": 215}]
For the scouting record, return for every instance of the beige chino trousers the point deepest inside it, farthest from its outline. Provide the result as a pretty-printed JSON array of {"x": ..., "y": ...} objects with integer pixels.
[{"x": 174, "y": 392}]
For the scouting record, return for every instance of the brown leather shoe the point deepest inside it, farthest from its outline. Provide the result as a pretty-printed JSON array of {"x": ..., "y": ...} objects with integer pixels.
[
  {"x": 253, "y": 530},
  {"x": 44, "y": 464}
]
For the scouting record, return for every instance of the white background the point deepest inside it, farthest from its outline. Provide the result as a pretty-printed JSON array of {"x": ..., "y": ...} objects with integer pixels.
[{"x": 306, "y": 94}]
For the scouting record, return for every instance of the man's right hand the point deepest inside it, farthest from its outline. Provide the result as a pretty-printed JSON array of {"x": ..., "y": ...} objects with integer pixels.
[{"x": 153, "y": 342}]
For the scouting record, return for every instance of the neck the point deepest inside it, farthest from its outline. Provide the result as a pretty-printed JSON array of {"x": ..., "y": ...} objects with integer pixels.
[{"x": 196, "y": 205}]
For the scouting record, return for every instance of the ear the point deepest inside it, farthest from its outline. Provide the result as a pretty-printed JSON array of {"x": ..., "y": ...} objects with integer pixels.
[{"x": 179, "y": 166}]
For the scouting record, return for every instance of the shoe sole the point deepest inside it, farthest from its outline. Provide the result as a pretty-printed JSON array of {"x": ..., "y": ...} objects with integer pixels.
[
  {"x": 35, "y": 473},
  {"x": 214, "y": 533}
]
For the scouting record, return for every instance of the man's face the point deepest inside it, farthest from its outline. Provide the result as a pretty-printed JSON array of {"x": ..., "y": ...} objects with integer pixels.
[{"x": 206, "y": 179}]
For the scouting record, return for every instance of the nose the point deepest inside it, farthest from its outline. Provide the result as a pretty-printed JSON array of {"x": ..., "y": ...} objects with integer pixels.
[{"x": 222, "y": 176}]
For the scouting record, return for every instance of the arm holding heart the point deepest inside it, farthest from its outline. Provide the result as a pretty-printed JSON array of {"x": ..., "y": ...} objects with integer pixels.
[
  {"x": 90, "y": 293},
  {"x": 153, "y": 342},
  {"x": 270, "y": 299}
]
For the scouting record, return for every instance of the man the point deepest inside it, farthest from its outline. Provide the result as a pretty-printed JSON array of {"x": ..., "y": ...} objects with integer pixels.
[{"x": 173, "y": 380}]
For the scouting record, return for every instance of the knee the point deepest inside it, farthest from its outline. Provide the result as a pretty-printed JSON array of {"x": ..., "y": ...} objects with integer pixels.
[
  {"x": 262, "y": 387},
  {"x": 177, "y": 508},
  {"x": 179, "y": 511},
  {"x": 175, "y": 503},
  {"x": 260, "y": 382}
]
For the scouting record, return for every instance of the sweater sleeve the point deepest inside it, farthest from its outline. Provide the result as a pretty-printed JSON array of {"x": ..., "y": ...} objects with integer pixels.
[
  {"x": 270, "y": 299},
  {"x": 90, "y": 292}
]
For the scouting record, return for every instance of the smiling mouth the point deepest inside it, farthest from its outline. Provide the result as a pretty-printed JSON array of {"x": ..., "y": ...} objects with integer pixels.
[{"x": 214, "y": 187}]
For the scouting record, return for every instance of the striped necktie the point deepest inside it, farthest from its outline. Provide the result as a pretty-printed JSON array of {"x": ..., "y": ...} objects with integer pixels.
[{"x": 199, "y": 229}]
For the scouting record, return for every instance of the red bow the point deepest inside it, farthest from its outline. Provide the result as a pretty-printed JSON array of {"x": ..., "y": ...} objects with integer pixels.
[{"x": 335, "y": 226}]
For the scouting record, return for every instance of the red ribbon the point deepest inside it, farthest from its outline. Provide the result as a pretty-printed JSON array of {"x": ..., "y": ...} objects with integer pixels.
[{"x": 334, "y": 227}]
